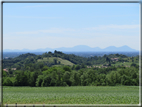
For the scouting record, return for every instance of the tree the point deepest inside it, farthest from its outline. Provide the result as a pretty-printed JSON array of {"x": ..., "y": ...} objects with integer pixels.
[
  {"x": 18, "y": 67},
  {"x": 41, "y": 65},
  {"x": 7, "y": 81},
  {"x": 107, "y": 59},
  {"x": 55, "y": 61},
  {"x": 4, "y": 73},
  {"x": 21, "y": 79},
  {"x": 39, "y": 80},
  {"x": 82, "y": 65},
  {"x": 55, "y": 51},
  {"x": 66, "y": 78},
  {"x": 67, "y": 68},
  {"x": 77, "y": 67},
  {"x": 83, "y": 79},
  {"x": 59, "y": 62},
  {"x": 33, "y": 78},
  {"x": 46, "y": 81},
  {"x": 133, "y": 64},
  {"x": 45, "y": 68},
  {"x": 74, "y": 78}
]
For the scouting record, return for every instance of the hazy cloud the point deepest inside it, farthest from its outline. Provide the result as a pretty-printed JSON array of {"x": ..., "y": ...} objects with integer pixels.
[
  {"x": 114, "y": 27},
  {"x": 32, "y": 17},
  {"x": 98, "y": 31},
  {"x": 51, "y": 30},
  {"x": 56, "y": 30}
]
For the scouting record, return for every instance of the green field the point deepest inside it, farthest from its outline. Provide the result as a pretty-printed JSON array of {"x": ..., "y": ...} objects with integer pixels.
[{"x": 71, "y": 95}]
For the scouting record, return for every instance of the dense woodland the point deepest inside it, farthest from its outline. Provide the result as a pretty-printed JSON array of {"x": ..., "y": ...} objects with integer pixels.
[{"x": 59, "y": 69}]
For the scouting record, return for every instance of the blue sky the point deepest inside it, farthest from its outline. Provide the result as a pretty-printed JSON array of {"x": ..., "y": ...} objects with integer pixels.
[{"x": 54, "y": 25}]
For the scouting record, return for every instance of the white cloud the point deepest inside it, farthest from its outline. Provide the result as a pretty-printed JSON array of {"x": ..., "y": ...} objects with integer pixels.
[
  {"x": 25, "y": 33},
  {"x": 107, "y": 30},
  {"x": 51, "y": 30},
  {"x": 117, "y": 27},
  {"x": 56, "y": 30},
  {"x": 104, "y": 30},
  {"x": 32, "y": 17}
]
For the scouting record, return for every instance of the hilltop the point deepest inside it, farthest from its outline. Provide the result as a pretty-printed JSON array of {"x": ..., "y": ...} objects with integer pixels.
[{"x": 58, "y": 58}]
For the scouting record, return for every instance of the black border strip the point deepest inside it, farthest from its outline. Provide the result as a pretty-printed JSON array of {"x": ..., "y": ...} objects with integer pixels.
[
  {"x": 1, "y": 97},
  {"x": 73, "y": 1},
  {"x": 140, "y": 58}
]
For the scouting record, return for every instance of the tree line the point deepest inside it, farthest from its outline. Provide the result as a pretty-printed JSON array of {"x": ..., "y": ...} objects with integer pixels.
[{"x": 69, "y": 76}]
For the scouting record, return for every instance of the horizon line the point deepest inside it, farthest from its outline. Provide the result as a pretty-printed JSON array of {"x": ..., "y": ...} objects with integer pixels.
[{"x": 72, "y": 47}]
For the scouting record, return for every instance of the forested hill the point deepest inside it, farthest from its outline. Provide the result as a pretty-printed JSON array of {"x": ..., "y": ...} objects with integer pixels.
[
  {"x": 59, "y": 58},
  {"x": 45, "y": 58},
  {"x": 59, "y": 69}
]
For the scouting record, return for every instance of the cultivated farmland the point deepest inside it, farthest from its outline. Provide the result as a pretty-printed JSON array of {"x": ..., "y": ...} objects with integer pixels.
[{"x": 71, "y": 95}]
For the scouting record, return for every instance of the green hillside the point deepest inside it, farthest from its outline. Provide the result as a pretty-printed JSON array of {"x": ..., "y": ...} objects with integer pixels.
[
  {"x": 29, "y": 60},
  {"x": 59, "y": 60},
  {"x": 59, "y": 69}
]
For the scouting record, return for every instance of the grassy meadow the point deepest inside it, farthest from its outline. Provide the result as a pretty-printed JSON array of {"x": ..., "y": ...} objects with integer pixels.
[
  {"x": 71, "y": 95},
  {"x": 51, "y": 59}
]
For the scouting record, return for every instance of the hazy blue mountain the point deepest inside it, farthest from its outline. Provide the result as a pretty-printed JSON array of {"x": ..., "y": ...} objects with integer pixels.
[
  {"x": 79, "y": 48},
  {"x": 25, "y": 50},
  {"x": 125, "y": 47},
  {"x": 122, "y": 49},
  {"x": 84, "y": 48},
  {"x": 97, "y": 49}
]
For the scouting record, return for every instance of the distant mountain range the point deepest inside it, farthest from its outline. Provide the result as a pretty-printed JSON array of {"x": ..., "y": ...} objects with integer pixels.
[{"x": 78, "y": 48}]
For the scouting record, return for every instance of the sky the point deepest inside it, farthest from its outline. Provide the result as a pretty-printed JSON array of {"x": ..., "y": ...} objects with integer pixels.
[{"x": 53, "y": 25}]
